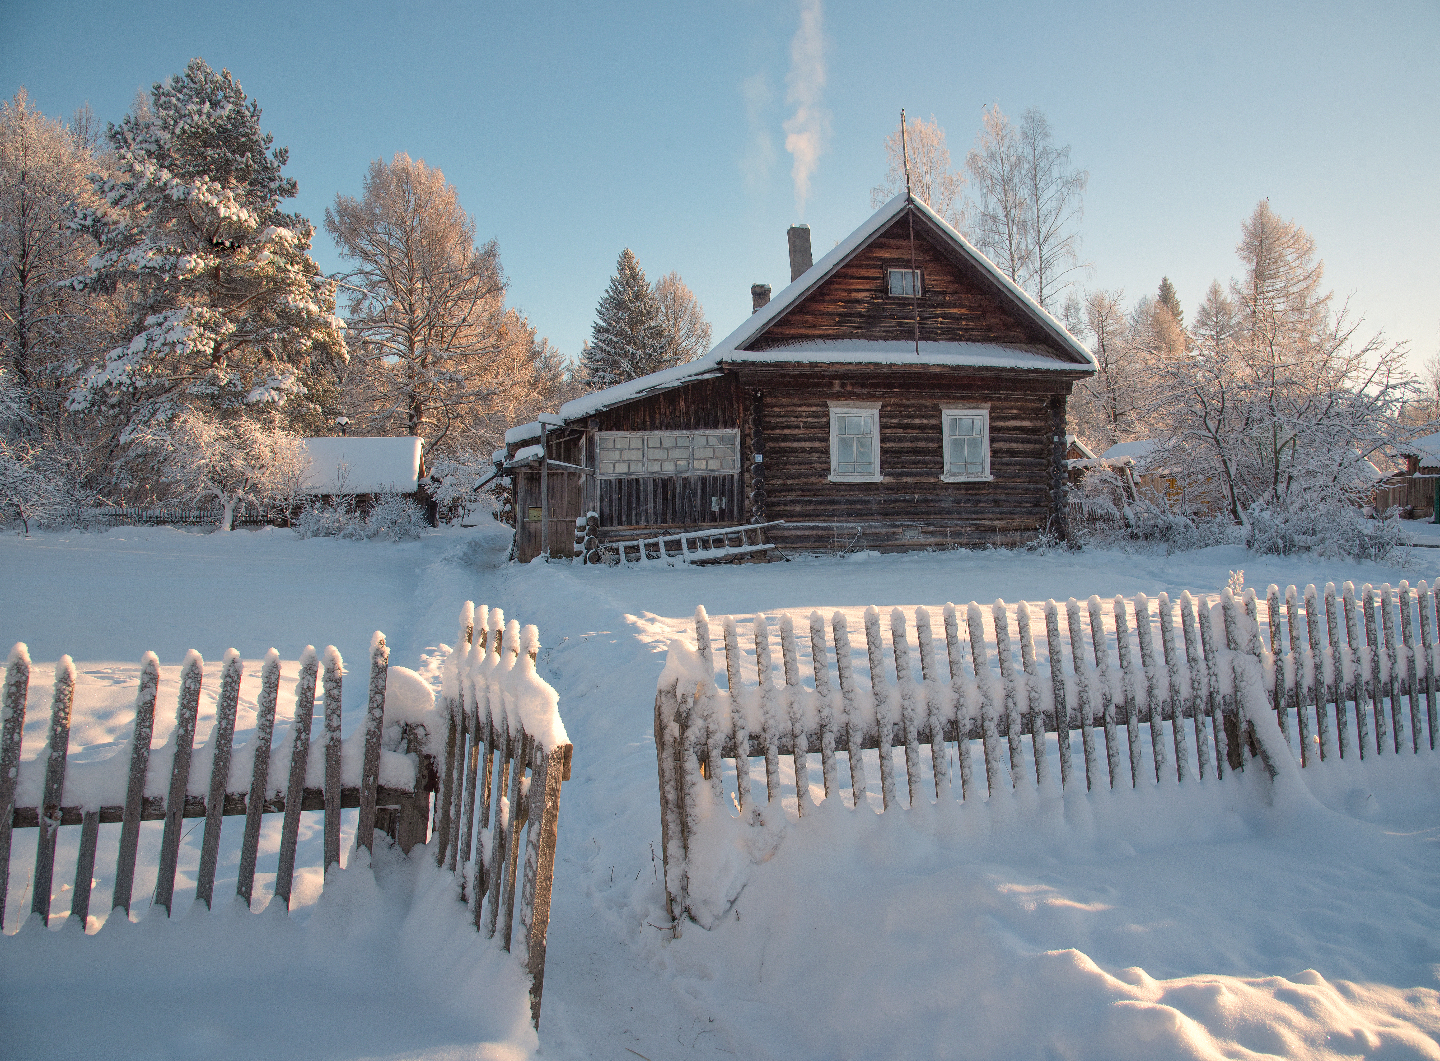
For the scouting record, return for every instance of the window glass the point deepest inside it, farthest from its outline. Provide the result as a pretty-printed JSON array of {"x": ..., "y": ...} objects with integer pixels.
[
  {"x": 854, "y": 445},
  {"x": 904, "y": 283},
  {"x": 967, "y": 445}
]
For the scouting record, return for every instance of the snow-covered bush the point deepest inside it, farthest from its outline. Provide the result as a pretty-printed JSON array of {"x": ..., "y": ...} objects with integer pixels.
[
  {"x": 395, "y": 518},
  {"x": 1325, "y": 527},
  {"x": 330, "y": 519},
  {"x": 1118, "y": 509}
]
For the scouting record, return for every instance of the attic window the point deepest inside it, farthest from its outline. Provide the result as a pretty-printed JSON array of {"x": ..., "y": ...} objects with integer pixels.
[{"x": 903, "y": 283}]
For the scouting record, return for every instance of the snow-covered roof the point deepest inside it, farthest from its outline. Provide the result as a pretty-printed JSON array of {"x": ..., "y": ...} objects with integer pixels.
[
  {"x": 522, "y": 433},
  {"x": 1135, "y": 451},
  {"x": 1086, "y": 453},
  {"x": 1426, "y": 448},
  {"x": 729, "y": 350},
  {"x": 351, "y": 465},
  {"x": 525, "y": 456}
]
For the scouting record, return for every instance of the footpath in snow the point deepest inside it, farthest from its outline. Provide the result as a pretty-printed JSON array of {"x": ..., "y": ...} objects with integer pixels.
[{"x": 1242, "y": 923}]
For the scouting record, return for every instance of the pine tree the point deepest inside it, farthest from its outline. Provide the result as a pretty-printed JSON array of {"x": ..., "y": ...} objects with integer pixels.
[
  {"x": 228, "y": 311},
  {"x": 1167, "y": 298},
  {"x": 628, "y": 338}
]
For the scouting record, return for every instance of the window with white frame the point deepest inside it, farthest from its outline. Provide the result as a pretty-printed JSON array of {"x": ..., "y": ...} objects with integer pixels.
[
  {"x": 855, "y": 442},
  {"x": 652, "y": 453},
  {"x": 903, "y": 283},
  {"x": 967, "y": 444}
]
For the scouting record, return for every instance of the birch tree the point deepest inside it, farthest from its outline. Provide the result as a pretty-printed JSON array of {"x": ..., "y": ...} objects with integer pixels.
[{"x": 932, "y": 180}]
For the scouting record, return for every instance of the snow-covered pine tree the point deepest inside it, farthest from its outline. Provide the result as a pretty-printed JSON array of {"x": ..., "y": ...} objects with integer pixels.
[
  {"x": 628, "y": 338},
  {"x": 228, "y": 310}
]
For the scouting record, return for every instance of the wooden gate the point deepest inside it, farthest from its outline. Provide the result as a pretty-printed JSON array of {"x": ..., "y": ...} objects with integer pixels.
[{"x": 566, "y": 489}]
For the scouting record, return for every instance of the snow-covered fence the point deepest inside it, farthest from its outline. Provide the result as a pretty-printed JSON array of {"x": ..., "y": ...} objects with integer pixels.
[
  {"x": 49, "y": 792},
  {"x": 506, "y": 754},
  {"x": 172, "y": 515},
  {"x": 1120, "y": 671}
]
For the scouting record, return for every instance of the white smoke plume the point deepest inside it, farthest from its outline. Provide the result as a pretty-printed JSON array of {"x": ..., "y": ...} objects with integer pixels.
[{"x": 807, "y": 127}]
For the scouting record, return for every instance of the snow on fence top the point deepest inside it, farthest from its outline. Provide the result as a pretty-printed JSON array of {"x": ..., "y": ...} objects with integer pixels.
[
  {"x": 352, "y": 465},
  {"x": 1234, "y": 694}
]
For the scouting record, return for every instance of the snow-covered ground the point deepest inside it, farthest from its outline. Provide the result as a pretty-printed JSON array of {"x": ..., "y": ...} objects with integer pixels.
[{"x": 1299, "y": 922}]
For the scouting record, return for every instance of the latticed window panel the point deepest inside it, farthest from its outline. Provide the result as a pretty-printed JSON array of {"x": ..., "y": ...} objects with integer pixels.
[
  {"x": 967, "y": 444},
  {"x": 652, "y": 453}
]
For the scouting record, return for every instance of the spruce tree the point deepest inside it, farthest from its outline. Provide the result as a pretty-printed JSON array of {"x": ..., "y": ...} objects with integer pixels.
[
  {"x": 228, "y": 311},
  {"x": 1170, "y": 300},
  {"x": 628, "y": 339}
]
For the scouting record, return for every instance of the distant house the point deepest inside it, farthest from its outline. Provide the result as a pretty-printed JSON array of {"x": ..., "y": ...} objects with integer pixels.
[
  {"x": 365, "y": 469},
  {"x": 900, "y": 393}
]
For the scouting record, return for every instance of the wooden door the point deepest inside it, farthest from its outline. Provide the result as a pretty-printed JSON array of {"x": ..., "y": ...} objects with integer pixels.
[{"x": 567, "y": 503}]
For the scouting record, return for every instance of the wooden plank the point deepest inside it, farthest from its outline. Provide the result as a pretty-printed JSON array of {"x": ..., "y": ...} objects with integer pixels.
[
  {"x": 1057, "y": 690},
  {"x": 909, "y": 708},
  {"x": 1336, "y": 684},
  {"x": 1356, "y": 649},
  {"x": 1277, "y": 690},
  {"x": 191, "y": 675},
  {"x": 820, "y": 668},
  {"x": 854, "y": 724},
  {"x": 744, "y": 795},
  {"x": 1004, "y": 655},
  {"x": 540, "y": 868},
  {"x": 1082, "y": 691},
  {"x": 85, "y": 868},
  {"x": 979, "y": 659},
  {"x": 1032, "y": 690},
  {"x": 1298, "y": 690},
  {"x": 464, "y": 739},
  {"x": 1395, "y": 683},
  {"x": 443, "y": 840},
  {"x": 1320, "y": 694},
  {"x": 1176, "y": 689},
  {"x": 1195, "y": 665},
  {"x": 935, "y": 709},
  {"x": 1407, "y": 654},
  {"x": 374, "y": 728},
  {"x": 1215, "y": 705},
  {"x": 331, "y": 697},
  {"x": 222, "y": 739},
  {"x": 1372, "y": 647},
  {"x": 1154, "y": 695},
  {"x": 259, "y": 774},
  {"x": 1427, "y": 650},
  {"x": 800, "y": 746},
  {"x": 299, "y": 759},
  {"x": 1102, "y": 681},
  {"x": 884, "y": 718},
  {"x": 52, "y": 796},
  {"x": 769, "y": 713},
  {"x": 17, "y": 687},
  {"x": 503, "y": 810},
  {"x": 517, "y": 826},
  {"x": 1128, "y": 685}
]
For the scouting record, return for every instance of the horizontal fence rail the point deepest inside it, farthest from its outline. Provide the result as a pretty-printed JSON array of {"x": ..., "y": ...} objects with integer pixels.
[
  {"x": 1341, "y": 675},
  {"x": 330, "y": 793},
  {"x": 506, "y": 755}
]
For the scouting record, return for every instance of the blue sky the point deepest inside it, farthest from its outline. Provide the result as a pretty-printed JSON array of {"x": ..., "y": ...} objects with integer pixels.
[{"x": 573, "y": 130}]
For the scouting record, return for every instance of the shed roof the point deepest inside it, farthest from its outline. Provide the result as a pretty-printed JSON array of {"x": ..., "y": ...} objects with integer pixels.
[{"x": 354, "y": 465}]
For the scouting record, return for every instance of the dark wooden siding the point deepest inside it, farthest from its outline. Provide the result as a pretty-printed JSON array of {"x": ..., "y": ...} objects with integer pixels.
[
  {"x": 675, "y": 501},
  {"x": 707, "y": 404},
  {"x": 957, "y": 304},
  {"x": 910, "y": 507}
]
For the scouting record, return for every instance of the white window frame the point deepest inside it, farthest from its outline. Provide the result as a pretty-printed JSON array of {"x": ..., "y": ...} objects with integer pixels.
[
  {"x": 890, "y": 276},
  {"x": 837, "y": 410},
  {"x": 946, "y": 415}
]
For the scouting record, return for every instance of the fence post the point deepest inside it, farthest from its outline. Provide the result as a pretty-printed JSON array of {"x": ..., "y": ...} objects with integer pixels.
[
  {"x": 17, "y": 686},
  {"x": 374, "y": 728},
  {"x": 185, "y": 714},
  {"x": 222, "y": 740},
  {"x": 299, "y": 759},
  {"x": 53, "y": 794},
  {"x": 259, "y": 776}
]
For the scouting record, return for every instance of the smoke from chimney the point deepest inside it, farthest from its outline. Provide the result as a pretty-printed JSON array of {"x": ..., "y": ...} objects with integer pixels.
[
  {"x": 800, "y": 256},
  {"x": 759, "y": 296}
]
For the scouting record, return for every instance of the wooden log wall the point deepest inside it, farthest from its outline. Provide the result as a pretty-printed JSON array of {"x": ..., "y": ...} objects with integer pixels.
[
  {"x": 485, "y": 813},
  {"x": 1153, "y": 697},
  {"x": 261, "y": 798},
  {"x": 910, "y": 508}
]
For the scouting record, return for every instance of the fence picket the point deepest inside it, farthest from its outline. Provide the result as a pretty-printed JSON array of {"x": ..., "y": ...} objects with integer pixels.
[
  {"x": 1198, "y": 699},
  {"x": 1372, "y": 642},
  {"x": 1427, "y": 635},
  {"x": 1355, "y": 652},
  {"x": 517, "y": 819},
  {"x": 1277, "y": 688},
  {"x": 1177, "y": 693},
  {"x": 820, "y": 667},
  {"x": 1032, "y": 688},
  {"x": 85, "y": 866},
  {"x": 299, "y": 760},
  {"x": 1407, "y": 652},
  {"x": 1317, "y": 662},
  {"x": 769, "y": 716},
  {"x": 191, "y": 674},
  {"x": 1154, "y": 696},
  {"x": 740, "y": 730},
  {"x": 334, "y": 672},
  {"x": 222, "y": 741},
  {"x": 1130, "y": 698},
  {"x": 1216, "y": 696},
  {"x": 259, "y": 778},
  {"x": 905, "y": 686},
  {"x": 58, "y": 746},
  {"x": 1394, "y": 684},
  {"x": 800, "y": 746},
  {"x": 1336, "y": 684},
  {"x": 1057, "y": 690},
  {"x": 374, "y": 727},
  {"x": 470, "y": 764},
  {"x": 1004, "y": 655},
  {"x": 979, "y": 659},
  {"x": 502, "y": 824},
  {"x": 884, "y": 720},
  {"x": 934, "y": 703},
  {"x": 1106, "y": 690},
  {"x": 1082, "y": 690},
  {"x": 961, "y": 701},
  {"x": 17, "y": 687}
]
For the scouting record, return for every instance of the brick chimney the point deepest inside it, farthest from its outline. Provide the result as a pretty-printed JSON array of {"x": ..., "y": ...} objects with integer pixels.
[
  {"x": 800, "y": 257},
  {"x": 759, "y": 296}
]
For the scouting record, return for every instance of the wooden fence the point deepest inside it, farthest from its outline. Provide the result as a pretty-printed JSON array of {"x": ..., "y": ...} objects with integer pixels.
[
  {"x": 1329, "y": 680},
  {"x": 1413, "y": 492},
  {"x": 302, "y": 793},
  {"x": 506, "y": 756},
  {"x": 174, "y": 515}
]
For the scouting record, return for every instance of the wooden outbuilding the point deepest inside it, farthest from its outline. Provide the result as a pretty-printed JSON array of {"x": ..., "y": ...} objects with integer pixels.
[{"x": 901, "y": 393}]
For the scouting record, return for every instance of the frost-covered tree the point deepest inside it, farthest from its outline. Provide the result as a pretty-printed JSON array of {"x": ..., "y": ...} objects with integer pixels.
[
  {"x": 228, "y": 311},
  {"x": 931, "y": 179},
  {"x": 232, "y": 460},
  {"x": 46, "y": 326},
  {"x": 687, "y": 332},
  {"x": 426, "y": 305},
  {"x": 1278, "y": 402},
  {"x": 1108, "y": 407},
  {"x": 1167, "y": 297},
  {"x": 1029, "y": 200},
  {"x": 628, "y": 338}
]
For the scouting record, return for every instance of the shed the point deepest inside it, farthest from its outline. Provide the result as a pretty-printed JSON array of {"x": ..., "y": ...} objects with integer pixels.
[
  {"x": 900, "y": 393},
  {"x": 366, "y": 469}
]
